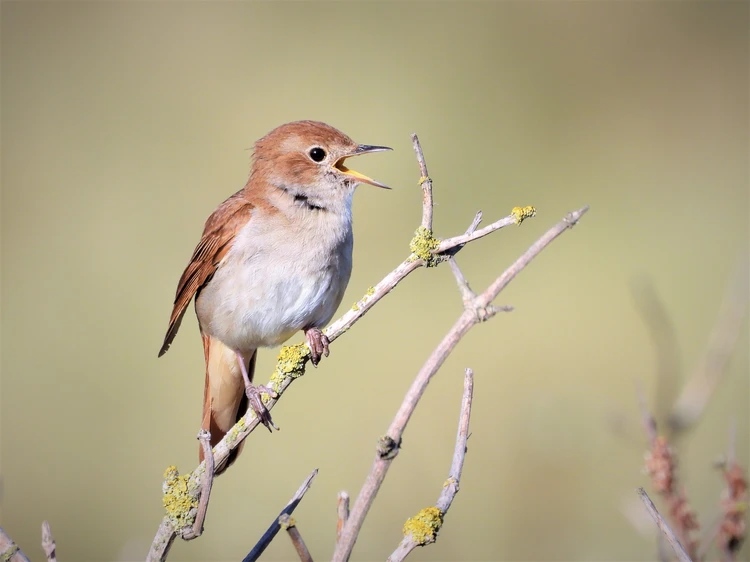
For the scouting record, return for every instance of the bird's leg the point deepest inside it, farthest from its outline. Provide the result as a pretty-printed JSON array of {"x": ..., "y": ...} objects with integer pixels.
[
  {"x": 253, "y": 393},
  {"x": 318, "y": 343}
]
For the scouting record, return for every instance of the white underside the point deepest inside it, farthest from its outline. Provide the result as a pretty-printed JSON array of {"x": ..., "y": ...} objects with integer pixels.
[{"x": 281, "y": 276}]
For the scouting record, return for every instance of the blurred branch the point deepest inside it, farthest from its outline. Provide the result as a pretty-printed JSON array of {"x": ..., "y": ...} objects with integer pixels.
[
  {"x": 426, "y": 251},
  {"x": 9, "y": 550},
  {"x": 682, "y": 556},
  {"x": 660, "y": 325},
  {"x": 342, "y": 513},
  {"x": 661, "y": 465},
  {"x": 416, "y": 533},
  {"x": 48, "y": 543},
  {"x": 269, "y": 535},
  {"x": 700, "y": 387},
  {"x": 477, "y": 310}
]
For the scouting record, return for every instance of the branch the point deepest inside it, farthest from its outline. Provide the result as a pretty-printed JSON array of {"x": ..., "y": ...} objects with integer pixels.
[
  {"x": 700, "y": 387},
  {"x": 479, "y": 310},
  {"x": 48, "y": 543},
  {"x": 9, "y": 550},
  {"x": 342, "y": 513},
  {"x": 286, "y": 522},
  {"x": 269, "y": 535},
  {"x": 208, "y": 478},
  {"x": 682, "y": 556},
  {"x": 416, "y": 532},
  {"x": 426, "y": 183}
]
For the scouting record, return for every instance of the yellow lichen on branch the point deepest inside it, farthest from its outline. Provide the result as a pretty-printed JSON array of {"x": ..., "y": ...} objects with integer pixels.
[
  {"x": 289, "y": 364},
  {"x": 523, "y": 213},
  {"x": 180, "y": 499},
  {"x": 422, "y": 246},
  {"x": 424, "y": 526}
]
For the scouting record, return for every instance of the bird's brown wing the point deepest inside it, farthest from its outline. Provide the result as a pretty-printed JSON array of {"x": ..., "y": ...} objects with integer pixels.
[{"x": 218, "y": 236}]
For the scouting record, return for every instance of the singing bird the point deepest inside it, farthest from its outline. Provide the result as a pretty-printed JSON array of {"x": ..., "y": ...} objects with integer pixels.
[{"x": 274, "y": 259}]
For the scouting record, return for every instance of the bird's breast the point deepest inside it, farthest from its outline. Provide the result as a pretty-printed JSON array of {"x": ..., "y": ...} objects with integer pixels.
[{"x": 279, "y": 277}]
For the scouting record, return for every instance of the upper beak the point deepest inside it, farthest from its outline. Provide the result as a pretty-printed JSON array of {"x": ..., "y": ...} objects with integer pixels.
[{"x": 361, "y": 149}]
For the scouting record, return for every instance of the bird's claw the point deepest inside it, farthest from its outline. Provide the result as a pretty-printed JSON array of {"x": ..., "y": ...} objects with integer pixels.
[
  {"x": 318, "y": 343},
  {"x": 255, "y": 400}
]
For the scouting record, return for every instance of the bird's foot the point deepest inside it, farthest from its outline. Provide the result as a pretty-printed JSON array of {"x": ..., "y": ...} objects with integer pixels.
[
  {"x": 255, "y": 400},
  {"x": 318, "y": 343}
]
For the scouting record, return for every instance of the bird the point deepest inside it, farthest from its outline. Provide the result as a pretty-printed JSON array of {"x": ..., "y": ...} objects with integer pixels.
[{"x": 274, "y": 259}]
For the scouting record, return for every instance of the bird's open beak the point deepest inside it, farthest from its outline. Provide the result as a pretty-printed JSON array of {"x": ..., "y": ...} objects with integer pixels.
[{"x": 361, "y": 149}]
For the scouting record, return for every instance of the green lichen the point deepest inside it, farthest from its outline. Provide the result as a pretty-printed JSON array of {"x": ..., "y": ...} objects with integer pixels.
[
  {"x": 361, "y": 302},
  {"x": 289, "y": 364},
  {"x": 180, "y": 498},
  {"x": 424, "y": 526},
  {"x": 355, "y": 306},
  {"x": 370, "y": 291},
  {"x": 8, "y": 554},
  {"x": 422, "y": 246}
]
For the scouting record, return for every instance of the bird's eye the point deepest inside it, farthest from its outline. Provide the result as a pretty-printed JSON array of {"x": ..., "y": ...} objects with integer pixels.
[{"x": 317, "y": 154}]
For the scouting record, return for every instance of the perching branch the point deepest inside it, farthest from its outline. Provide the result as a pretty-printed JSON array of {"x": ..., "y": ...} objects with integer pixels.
[
  {"x": 682, "y": 556},
  {"x": 426, "y": 251},
  {"x": 418, "y": 531},
  {"x": 269, "y": 535}
]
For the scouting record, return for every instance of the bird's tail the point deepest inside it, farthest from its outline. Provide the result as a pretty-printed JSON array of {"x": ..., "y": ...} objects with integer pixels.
[{"x": 224, "y": 399}]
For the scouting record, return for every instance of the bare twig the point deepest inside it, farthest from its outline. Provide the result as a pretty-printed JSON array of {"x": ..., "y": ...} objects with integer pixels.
[
  {"x": 288, "y": 523},
  {"x": 208, "y": 478},
  {"x": 700, "y": 387},
  {"x": 682, "y": 555},
  {"x": 269, "y": 535},
  {"x": 9, "y": 550},
  {"x": 426, "y": 183},
  {"x": 417, "y": 534},
  {"x": 478, "y": 311},
  {"x": 48, "y": 543},
  {"x": 342, "y": 512}
]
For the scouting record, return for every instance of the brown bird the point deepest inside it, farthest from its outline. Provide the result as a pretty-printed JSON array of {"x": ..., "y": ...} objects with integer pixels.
[{"x": 274, "y": 258}]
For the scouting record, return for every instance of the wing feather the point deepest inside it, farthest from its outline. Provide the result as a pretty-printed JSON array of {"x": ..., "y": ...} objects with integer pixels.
[{"x": 218, "y": 235}]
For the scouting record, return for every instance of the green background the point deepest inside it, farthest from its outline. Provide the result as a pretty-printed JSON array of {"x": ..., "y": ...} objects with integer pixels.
[{"x": 125, "y": 123}]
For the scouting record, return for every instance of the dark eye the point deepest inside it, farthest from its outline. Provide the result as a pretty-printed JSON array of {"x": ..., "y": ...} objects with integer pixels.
[{"x": 317, "y": 154}]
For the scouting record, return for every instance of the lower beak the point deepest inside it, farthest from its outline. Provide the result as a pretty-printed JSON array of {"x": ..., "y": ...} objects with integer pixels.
[{"x": 361, "y": 149}]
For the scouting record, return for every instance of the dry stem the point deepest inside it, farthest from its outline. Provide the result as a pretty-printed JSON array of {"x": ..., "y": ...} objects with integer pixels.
[
  {"x": 48, "y": 543},
  {"x": 269, "y": 535},
  {"x": 664, "y": 527},
  {"x": 451, "y": 486},
  {"x": 342, "y": 513}
]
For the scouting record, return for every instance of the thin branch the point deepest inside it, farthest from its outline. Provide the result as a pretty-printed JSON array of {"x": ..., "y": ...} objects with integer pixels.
[
  {"x": 9, "y": 550},
  {"x": 451, "y": 486},
  {"x": 426, "y": 183},
  {"x": 48, "y": 543},
  {"x": 342, "y": 512},
  {"x": 388, "y": 448},
  {"x": 286, "y": 522},
  {"x": 700, "y": 387},
  {"x": 208, "y": 478},
  {"x": 682, "y": 555},
  {"x": 269, "y": 535}
]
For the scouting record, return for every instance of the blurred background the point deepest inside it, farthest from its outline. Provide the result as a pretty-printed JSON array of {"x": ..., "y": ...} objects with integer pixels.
[{"x": 124, "y": 124}]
